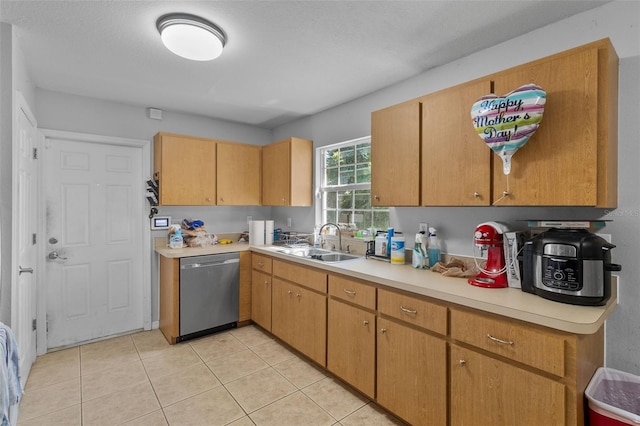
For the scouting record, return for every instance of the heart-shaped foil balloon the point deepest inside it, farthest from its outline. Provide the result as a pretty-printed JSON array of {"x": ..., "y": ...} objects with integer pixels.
[{"x": 507, "y": 122}]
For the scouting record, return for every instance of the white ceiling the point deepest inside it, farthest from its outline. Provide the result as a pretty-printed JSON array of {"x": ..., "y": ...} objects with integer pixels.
[{"x": 283, "y": 59}]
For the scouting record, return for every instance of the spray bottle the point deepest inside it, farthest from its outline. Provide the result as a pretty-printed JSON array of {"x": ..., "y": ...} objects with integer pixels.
[
  {"x": 434, "y": 248},
  {"x": 419, "y": 258}
]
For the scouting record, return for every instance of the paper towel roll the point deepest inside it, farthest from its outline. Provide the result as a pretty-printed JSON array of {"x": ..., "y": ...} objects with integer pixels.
[
  {"x": 256, "y": 233},
  {"x": 268, "y": 232}
]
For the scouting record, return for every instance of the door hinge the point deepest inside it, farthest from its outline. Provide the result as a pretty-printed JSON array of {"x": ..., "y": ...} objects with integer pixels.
[
  {"x": 35, "y": 153},
  {"x": 33, "y": 239},
  {"x": 34, "y": 324}
]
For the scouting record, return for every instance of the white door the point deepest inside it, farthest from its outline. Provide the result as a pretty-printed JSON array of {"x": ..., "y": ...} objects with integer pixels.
[
  {"x": 25, "y": 224},
  {"x": 94, "y": 238}
]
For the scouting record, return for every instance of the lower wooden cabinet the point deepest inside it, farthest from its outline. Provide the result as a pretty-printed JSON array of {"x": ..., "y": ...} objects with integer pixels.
[
  {"x": 299, "y": 317},
  {"x": 426, "y": 361},
  {"x": 412, "y": 374},
  {"x": 261, "y": 299},
  {"x": 244, "y": 313},
  {"x": 487, "y": 391},
  {"x": 351, "y": 345}
]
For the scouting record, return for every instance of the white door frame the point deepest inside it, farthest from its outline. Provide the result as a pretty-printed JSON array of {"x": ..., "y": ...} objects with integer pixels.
[{"x": 145, "y": 146}]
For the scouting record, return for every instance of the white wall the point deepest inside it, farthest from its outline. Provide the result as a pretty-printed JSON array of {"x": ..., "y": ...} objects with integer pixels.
[{"x": 620, "y": 21}]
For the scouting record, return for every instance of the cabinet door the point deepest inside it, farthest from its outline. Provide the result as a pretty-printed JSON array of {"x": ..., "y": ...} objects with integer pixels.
[
  {"x": 300, "y": 319},
  {"x": 485, "y": 391},
  {"x": 559, "y": 164},
  {"x": 238, "y": 174},
  {"x": 301, "y": 175},
  {"x": 276, "y": 174},
  {"x": 261, "y": 299},
  {"x": 186, "y": 170},
  {"x": 351, "y": 345},
  {"x": 245, "y": 287},
  {"x": 456, "y": 162},
  {"x": 395, "y": 155},
  {"x": 412, "y": 374}
]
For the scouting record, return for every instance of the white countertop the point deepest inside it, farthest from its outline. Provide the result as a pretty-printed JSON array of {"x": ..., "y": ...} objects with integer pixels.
[{"x": 508, "y": 302}]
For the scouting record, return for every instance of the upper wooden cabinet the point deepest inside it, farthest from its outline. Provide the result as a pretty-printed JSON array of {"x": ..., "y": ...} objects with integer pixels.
[
  {"x": 185, "y": 168},
  {"x": 238, "y": 174},
  {"x": 194, "y": 171},
  {"x": 395, "y": 155},
  {"x": 287, "y": 173},
  {"x": 456, "y": 163},
  {"x": 570, "y": 161},
  {"x": 572, "y": 158}
]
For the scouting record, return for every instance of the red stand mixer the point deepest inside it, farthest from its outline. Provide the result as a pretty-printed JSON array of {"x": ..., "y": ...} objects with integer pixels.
[{"x": 488, "y": 236}]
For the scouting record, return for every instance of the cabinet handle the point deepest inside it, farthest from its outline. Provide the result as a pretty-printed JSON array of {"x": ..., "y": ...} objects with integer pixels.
[
  {"x": 289, "y": 292},
  {"x": 208, "y": 199},
  {"x": 377, "y": 197},
  {"x": 365, "y": 322},
  {"x": 298, "y": 295},
  {"x": 461, "y": 362},
  {"x": 475, "y": 194},
  {"x": 383, "y": 330},
  {"x": 221, "y": 199},
  {"x": 349, "y": 292},
  {"x": 408, "y": 311},
  {"x": 266, "y": 282},
  {"x": 495, "y": 339},
  {"x": 261, "y": 264}
]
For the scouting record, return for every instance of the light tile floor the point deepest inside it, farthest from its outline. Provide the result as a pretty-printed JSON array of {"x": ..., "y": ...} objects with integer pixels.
[{"x": 238, "y": 377}]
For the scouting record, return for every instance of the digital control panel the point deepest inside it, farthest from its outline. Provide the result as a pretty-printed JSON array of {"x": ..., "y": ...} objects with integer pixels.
[{"x": 160, "y": 222}]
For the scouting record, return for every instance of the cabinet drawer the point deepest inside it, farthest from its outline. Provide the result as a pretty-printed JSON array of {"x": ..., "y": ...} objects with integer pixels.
[
  {"x": 308, "y": 277},
  {"x": 538, "y": 348},
  {"x": 413, "y": 310},
  {"x": 261, "y": 263},
  {"x": 352, "y": 291}
]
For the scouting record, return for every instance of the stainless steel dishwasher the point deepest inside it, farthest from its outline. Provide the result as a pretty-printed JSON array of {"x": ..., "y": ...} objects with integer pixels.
[{"x": 209, "y": 292}]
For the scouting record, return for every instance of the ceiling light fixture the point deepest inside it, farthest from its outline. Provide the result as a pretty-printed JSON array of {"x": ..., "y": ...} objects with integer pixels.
[{"x": 191, "y": 37}]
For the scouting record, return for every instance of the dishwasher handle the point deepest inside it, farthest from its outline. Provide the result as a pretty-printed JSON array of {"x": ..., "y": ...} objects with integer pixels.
[{"x": 209, "y": 264}]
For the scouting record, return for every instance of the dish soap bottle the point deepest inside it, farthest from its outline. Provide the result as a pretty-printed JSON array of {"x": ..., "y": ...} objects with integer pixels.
[
  {"x": 434, "y": 248},
  {"x": 419, "y": 258}
]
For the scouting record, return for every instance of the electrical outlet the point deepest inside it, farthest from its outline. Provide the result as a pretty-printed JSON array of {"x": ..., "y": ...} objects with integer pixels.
[
  {"x": 249, "y": 219},
  {"x": 424, "y": 227},
  {"x": 289, "y": 222}
]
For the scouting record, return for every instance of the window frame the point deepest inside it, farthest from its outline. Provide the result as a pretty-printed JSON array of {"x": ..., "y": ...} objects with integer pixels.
[{"x": 320, "y": 186}]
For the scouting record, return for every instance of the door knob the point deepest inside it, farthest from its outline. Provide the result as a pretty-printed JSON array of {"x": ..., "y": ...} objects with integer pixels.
[{"x": 54, "y": 255}]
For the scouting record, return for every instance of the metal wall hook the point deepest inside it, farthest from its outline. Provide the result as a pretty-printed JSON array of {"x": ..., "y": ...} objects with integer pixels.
[{"x": 153, "y": 212}]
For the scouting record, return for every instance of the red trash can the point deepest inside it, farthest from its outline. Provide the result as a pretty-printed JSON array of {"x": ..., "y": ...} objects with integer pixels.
[{"x": 614, "y": 398}]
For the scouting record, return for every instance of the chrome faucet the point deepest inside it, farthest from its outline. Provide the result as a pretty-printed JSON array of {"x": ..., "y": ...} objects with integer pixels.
[{"x": 339, "y": 233}]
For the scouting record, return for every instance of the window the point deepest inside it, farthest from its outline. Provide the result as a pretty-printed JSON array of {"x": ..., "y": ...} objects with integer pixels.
[{"x": 345, "y": 186}]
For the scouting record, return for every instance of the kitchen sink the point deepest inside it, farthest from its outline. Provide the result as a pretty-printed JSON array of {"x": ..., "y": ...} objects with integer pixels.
[
  {"x": 304, "y": 251},
  {"x": 318, "y": 254},
  {"x": 335, "y": 257}
]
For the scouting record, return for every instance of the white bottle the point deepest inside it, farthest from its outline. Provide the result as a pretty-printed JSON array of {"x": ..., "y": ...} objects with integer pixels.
[
  {"x": 419, "y": 258},
  {"x": 434, "y": 248},
  {"x": 176, "y": 241}
]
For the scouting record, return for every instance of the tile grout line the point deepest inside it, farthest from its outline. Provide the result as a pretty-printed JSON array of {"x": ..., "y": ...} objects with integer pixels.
[{"x": 150, "y": 383}]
